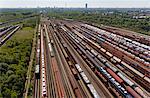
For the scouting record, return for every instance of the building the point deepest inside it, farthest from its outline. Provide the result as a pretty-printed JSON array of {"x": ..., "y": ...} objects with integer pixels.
[{"x": 86, "y": 5}]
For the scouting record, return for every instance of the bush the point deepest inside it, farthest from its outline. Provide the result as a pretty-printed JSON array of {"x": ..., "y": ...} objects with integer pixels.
[{"x": 14, "y": 58}]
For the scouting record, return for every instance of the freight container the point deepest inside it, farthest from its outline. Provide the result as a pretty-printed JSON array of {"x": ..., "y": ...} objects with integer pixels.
[
  {"x": 103, "y": 50},
  {"x": 85, "y": 78},
  {"x": 78, "y": 68},
  {"x": 109, "y": 54},
  {"x": 137, "y": 89},
  {"x": 130, "y": 83},
  {"x": 113, "y": 60},
  {"x": 88, "y": 52},
  {"x": 132, "y": 92},
  {"x": 134, "y": 70},
  {"x": 116, "y": 58},
  {"x": 102, "y": 59},
  {"x": 94, "y": 52},
  {"x": 114, "y": 75},
  {"x": 93, "y": 91},
  {"x": 120, "y": 67}
]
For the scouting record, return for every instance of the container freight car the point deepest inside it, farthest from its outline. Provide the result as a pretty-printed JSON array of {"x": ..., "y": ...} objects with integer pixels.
[
  {"x": 114, "y": 83},
  {"x": 136, "y": 48},
  {"x": 37, "y": 66},
  {"x": 91, "y": 56},
  {"x": 49, "y": 41},
  {"x": 87, "y": 81},
  {"x": 43, "y": 70},
  {"x": 37, "y": 71},
  {"x": 118, "y": 60}
]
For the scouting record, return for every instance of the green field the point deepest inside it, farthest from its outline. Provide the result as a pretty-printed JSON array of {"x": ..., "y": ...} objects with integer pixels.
[{"x": 11, "y": 14}]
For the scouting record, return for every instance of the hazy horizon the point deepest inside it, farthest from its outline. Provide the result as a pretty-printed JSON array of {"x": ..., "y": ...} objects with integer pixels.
[{"x": 75, "y": 4}]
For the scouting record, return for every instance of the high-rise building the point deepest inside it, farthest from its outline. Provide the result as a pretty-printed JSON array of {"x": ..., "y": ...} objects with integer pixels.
[{"x": 86, "y": 5}]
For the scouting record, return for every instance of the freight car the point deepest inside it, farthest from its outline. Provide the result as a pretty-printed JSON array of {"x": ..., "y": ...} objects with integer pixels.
[
  {"x": 124, "y": 64},
  {"x": 116, "y": 71},
  {"x": 118, "y": 87},
  {"x": 125, "y": 43},
  {"x": 7, "y": 30},
  {"x": 121, "y": 90},
  {"x": 37, "y": 71},
  {"x": 43, "y": 70},
  {"x": 49, "y": 42},
  {"x": 140, "y": 68},
  {"x": 39, "y": 28},
  {"x": 129, "y": 82},
  {"x": 37, "y": 66},
  {"x": 9, "y": 35},
  {"x": 4, "y": 28},
  {"x": 129, "y": 55},
  {"x": 87, "y": 81},
  {"x": 51, "y": 50},
  {"x": 104, "y": 61}
]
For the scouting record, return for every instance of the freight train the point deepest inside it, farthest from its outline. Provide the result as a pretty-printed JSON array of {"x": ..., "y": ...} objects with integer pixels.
[
  {"x": 104, "y": 61},
  {"x": 127, "y": 44},
  {"x": 7, "y": 30},
  {"x": 37, "y": 66},
  {"x": 2, "y": 41},
  {"x": 121, "y": 90},
  {"x": 4, "y": 28}
]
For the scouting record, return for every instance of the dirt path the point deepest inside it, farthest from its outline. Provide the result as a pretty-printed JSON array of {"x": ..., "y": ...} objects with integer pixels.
[{"x": 27, "y": 83}]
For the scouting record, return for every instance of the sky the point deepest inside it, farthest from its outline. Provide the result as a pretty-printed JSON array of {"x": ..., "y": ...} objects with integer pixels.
[{"x": 75, "y": 3}]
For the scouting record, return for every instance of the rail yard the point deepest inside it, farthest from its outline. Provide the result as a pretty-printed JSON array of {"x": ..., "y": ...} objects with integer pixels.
[
  {"x": 79, "y": 60},
  {"x": 7, "y": 32}
]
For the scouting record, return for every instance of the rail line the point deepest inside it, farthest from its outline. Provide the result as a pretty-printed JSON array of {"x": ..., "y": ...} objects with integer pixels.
[
  {"x": 78, "y": 60},
  {"x": 3, "y": 40}
]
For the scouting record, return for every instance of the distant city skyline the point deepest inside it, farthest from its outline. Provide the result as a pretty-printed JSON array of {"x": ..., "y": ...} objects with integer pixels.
[{"x": 75, "y": 3}]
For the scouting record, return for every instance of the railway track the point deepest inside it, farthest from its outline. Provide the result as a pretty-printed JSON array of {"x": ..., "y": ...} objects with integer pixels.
[
  {"x": 89, "y": 71},
  {"x": 37, "y": 88},
  {"x": 6, "y": 34},
  {"x": 37, "y": 67},
  {"x": 79, "y": 61}
]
